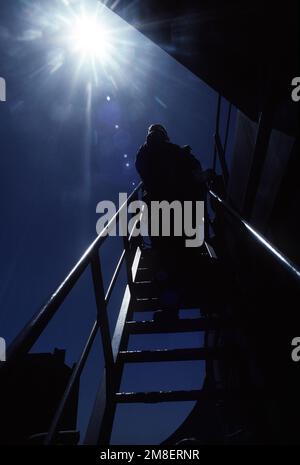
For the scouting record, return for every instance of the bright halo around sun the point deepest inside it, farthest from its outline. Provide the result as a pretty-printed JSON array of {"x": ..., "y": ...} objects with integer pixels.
[
  {"x": 86, "y": 38},
  {"x": 91, "y": 39}
]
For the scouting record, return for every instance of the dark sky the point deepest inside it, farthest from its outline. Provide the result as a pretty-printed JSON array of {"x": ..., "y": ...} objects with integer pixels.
[{"x": 68, "y": 139}]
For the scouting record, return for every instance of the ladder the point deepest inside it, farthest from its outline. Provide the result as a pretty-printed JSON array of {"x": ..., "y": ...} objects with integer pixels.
[{"x": 142, "y": 296}]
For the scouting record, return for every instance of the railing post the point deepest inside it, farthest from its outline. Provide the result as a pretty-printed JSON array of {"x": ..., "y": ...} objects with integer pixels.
[
  {"x": 103, "y": 320},
  {"x": 128, "y": 261},
  {"x": 74, "y": 378},
  {"x": 129, "y": 253}
]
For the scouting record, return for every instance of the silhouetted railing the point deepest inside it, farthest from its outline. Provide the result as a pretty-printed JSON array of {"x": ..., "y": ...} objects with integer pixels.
[
  {"x": 220, "y": 151},
  {"x": 260, "y": 240},
  {"x": 33, "y": 330}
]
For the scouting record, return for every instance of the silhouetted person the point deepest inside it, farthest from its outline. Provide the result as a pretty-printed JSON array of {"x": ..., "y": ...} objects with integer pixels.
[{"x": 170, "y": 172}]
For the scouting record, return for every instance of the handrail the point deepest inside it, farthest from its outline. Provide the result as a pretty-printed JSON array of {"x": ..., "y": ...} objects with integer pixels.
[
  {"x": 260, "y": 239},
  {"x": 33, "y": 329},
  {"x": 220, "y": 151}
]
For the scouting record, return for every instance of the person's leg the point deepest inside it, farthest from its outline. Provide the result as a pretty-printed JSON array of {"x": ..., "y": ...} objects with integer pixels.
[{"x": 169, "y": 282}]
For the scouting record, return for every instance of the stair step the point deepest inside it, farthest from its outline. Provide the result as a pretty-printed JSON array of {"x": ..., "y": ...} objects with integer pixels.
[
  {"x": 149, "y": 259},
  {"x": 146, "y": 304},
  {"x": 159, "y": 396},
  {"x": 180, "y": 326},
  {"x": 144, "y": 289},
  {"x": 168, "y": 355},
  {"x": 192, "y": 395},
  {"x": 151, "y": 304},
  {"x": 144, "y": 274}
]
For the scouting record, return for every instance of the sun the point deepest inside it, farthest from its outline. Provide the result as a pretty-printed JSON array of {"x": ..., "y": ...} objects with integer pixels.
[{"x": 90, "y": 38}]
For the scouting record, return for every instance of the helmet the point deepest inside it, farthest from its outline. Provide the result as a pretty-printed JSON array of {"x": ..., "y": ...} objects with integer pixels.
[{"x": 158, "y": 129}]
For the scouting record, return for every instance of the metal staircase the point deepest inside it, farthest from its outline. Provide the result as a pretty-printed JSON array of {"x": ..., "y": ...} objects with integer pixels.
[{"x": 142, "y": 296}]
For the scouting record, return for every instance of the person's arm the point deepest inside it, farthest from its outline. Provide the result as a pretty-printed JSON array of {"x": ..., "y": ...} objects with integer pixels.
[
  {"x": 204, "y": 176},
  {"x": 195, "y": 165},
  {"x": 190, "y": 159}
]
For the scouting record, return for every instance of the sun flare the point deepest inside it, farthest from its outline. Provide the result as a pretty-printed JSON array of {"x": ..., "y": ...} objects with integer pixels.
[{"x": 91, "y": 39}]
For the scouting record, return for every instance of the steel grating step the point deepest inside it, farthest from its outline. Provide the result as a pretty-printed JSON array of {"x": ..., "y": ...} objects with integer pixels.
[
  {"x": 144, "y": 289},
  {"x": 169, "y": 355},
  {"x": 144, "y": 274},
  {"x": 159, "y": 396},
  {"x": 192, "y": 395},
  {"x": 180, "y": 326},
  {"x": 152, "y": 304},
  {"x": 146, "y": 304}
]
